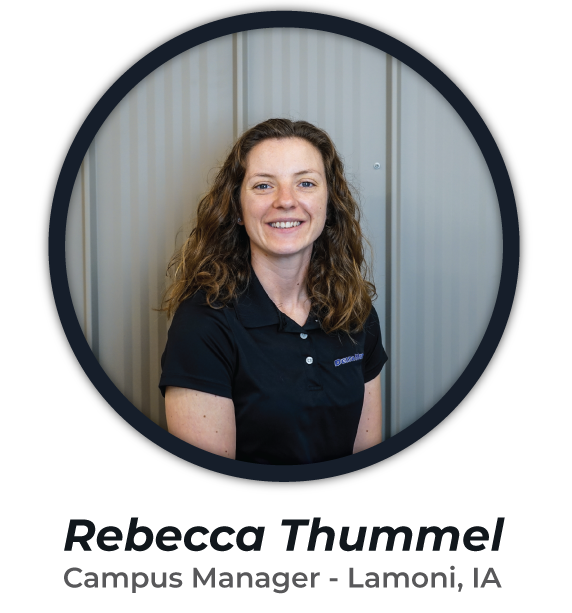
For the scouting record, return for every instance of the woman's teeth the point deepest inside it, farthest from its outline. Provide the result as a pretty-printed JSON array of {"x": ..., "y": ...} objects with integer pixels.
[{"x": 285, "y": 224}]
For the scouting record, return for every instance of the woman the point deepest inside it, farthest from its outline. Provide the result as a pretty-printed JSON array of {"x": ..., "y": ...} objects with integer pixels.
[{"x": 274, "y": 353}]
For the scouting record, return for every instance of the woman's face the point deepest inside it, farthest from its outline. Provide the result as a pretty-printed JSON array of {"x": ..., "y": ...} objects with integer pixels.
[{"x": 284, "y": 197}]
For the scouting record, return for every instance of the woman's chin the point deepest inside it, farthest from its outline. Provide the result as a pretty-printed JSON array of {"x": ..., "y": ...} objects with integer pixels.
[
  {"x": 283, "y": 251},
  {"x": 281, "y": 248}
]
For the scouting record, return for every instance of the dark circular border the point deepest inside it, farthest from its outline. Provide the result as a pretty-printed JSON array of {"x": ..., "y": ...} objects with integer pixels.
[{"x": 335, "y": 25}]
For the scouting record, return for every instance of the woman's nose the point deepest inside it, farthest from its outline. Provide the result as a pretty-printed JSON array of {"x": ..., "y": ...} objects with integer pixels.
[{"x": 285, "y": 197}]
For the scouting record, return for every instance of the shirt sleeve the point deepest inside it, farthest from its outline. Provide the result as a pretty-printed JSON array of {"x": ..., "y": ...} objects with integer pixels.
[
  {"x": 200, "y": 352},
  {"x": 374, "y": 353}
]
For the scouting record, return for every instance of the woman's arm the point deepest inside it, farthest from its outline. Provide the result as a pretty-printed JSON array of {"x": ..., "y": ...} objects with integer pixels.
[
  {"x": 369, "y": 429},
  {"x": 203, "y": 420}
]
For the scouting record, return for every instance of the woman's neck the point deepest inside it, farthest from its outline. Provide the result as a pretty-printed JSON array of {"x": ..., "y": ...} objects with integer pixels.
[{"x": 284, "y": 280}]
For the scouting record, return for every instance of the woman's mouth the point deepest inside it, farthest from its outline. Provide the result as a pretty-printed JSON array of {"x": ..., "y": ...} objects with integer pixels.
[{"x": 285, "y": 224}]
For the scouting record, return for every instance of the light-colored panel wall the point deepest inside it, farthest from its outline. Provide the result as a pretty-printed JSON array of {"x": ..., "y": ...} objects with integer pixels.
[
  {"x": 81, "y": 251},
  {"x": 75, "y": 242},
  {"x": 448, "y": 248},
  {"x": 153, "y": 158}
]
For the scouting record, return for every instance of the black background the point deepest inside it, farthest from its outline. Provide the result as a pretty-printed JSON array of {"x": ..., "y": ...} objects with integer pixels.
[{"x": 466, "y": 472}]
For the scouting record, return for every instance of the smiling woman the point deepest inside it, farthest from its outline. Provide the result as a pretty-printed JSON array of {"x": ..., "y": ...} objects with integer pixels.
[{"x": 270, "y": 295}]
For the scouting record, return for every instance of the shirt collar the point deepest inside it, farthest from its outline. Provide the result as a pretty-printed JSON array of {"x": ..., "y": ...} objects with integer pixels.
[{"x": 255, "y": 310}]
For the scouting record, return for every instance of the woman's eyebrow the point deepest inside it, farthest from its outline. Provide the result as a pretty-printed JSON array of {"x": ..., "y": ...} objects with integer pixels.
[
  {"x": 307, "y": 171},
  {"x": 269, "y": 176}
]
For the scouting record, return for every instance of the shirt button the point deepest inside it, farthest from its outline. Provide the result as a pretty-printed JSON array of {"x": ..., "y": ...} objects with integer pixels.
[
  {"x": 303, "y": 335},
  {"x": 309, "y": 360}
]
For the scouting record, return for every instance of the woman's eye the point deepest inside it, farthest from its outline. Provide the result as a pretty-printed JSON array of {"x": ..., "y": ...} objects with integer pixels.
[
  {"x": 307, "y": 184},
  {"x": 262, "y": 186}
]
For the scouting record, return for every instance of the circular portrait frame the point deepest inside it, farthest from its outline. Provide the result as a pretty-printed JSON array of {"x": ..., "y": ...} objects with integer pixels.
[{"x": 334, "y": 25}]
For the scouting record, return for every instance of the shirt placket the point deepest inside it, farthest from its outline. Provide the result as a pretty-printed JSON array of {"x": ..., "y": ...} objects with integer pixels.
[{"x": 309, "y": 352}]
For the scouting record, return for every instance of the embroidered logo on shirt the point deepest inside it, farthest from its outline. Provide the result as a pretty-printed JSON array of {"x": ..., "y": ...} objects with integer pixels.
[{"x": 351, "y": 358}]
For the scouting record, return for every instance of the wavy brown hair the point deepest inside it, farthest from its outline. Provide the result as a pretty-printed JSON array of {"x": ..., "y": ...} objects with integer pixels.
[{"x": 216, "y": 256}]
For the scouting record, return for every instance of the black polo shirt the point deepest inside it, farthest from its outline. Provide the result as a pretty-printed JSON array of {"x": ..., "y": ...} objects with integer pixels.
[{"x": 297, "y": 391}]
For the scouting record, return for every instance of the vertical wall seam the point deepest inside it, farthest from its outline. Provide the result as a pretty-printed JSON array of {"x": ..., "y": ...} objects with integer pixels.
[
  {"x": 244, "y": 81},
  {"x": 84, "y": 246},
  {"x": 235, "y": 93},
  {"x": 93, "y": 252},
  {"x": 396, "y": 198},
  {"x": 239, "y": 83},
  {"x": 388, "y": 242}
]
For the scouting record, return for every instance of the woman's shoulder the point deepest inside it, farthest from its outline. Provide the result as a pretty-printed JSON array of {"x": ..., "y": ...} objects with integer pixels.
[
  {"x": 372, "y": 321},
  {"x": 200, "y": 351},
  {"x": 372, "y": 328},
  {"x": 198, "y": 303},
  {"x": 196, "y": 313},
  {"x": 372, "y": 317}
]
